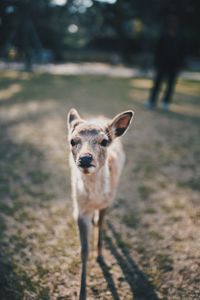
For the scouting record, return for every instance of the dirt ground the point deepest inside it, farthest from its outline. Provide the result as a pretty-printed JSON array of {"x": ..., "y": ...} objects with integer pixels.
[{"x": 152, "y": 236}]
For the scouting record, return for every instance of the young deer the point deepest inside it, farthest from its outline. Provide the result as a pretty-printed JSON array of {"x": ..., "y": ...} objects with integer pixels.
[{"x": 96, "y": 161}]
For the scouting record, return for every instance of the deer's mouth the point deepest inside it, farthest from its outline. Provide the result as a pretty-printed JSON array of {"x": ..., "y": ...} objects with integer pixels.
[
  {"x": 87, "y": 170},
  {"x": 86, "y": 166}
]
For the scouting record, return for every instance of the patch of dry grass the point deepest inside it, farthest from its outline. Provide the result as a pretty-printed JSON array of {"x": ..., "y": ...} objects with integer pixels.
[{"x": 152, "y": 243}]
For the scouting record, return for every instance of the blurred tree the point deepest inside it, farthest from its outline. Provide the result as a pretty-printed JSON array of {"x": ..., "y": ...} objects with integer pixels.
[
  {"x": 122, "y": 25},
  {"x": 18, "y": 29}
]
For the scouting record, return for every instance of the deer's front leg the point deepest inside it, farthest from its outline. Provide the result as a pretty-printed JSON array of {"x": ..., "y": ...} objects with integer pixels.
[
  {"x": 84, "y": 228},
  {"x": 100, "y": 232}
]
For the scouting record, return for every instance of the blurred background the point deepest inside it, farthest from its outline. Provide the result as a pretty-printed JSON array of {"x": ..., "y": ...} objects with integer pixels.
[
  {"x": 114, "y": 31},
  {"x": 99, "y": 56}
]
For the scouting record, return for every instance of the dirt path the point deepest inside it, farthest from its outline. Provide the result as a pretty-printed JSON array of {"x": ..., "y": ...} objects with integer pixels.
[
  {"x": 93, "y": 68},
  {"x": 152, "y": 232}
]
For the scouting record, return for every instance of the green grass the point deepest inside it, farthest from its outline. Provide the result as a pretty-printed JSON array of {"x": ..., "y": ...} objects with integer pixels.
[
  {"x": 158, "y": 193},
  {"x": 131, "y": 220}
]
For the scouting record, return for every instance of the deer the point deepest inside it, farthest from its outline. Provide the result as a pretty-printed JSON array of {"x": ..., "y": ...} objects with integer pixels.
[{"x": 96, "y": 159}]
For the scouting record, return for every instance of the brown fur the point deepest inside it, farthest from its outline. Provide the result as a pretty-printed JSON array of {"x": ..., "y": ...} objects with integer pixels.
[{"x": 94, "y": 185}]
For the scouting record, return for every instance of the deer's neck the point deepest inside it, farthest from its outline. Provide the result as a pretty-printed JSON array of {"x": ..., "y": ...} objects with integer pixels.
[{"x": 98, "y": 182}]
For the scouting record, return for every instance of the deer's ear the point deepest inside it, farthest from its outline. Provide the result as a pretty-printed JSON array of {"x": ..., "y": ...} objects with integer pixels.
[
  {"x": 120, "y": 123},
  {"x": 73, "y": 118}
]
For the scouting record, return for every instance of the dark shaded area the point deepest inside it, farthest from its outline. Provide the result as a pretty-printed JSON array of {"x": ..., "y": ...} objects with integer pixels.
[{"x": 11, "y": 285}]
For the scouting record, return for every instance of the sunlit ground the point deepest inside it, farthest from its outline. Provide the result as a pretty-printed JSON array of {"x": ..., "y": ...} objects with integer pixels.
[{"x": 152, "y": 232}]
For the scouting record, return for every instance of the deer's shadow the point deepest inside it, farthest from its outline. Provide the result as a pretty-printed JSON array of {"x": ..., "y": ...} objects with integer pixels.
[{"x": 139, "y": 284}]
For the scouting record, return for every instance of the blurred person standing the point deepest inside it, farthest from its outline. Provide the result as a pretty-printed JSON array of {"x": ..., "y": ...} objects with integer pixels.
[{"x": 168, "y": 59}]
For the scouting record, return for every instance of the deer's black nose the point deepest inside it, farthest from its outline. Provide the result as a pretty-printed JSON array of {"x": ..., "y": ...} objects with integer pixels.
[{"x": 85, "y": 160}]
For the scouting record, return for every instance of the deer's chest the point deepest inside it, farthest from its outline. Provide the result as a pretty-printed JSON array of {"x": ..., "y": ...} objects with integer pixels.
[{"x": 92, "y": 195}]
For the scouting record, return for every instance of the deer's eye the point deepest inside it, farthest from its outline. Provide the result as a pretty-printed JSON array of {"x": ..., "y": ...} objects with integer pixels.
[
  {"x": 104, "y": 143},
  {"x": 74, "y": 142}
]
